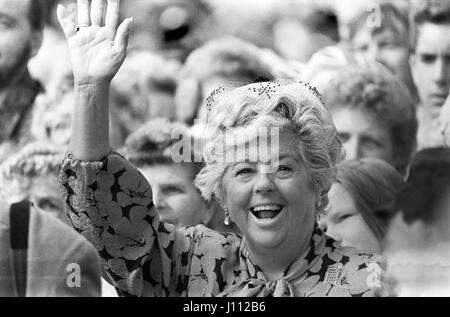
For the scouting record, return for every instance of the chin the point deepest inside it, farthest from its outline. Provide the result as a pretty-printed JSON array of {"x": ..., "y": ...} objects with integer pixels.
[{"x": 266, "y": 240}]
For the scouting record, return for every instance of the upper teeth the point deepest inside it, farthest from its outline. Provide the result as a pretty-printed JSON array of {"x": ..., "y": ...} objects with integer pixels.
[{"x": 267, "y": 208}]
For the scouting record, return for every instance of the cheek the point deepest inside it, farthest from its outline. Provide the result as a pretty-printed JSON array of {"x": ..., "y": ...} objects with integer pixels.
[
  {"x": 12, "y": 44},
  {"x": 397, "y": 57},
  {"x": 300, "y": 198},
  {"x": 352, "y": 230},
  {"x": 423, "y": 71},
  {"x": 358, "y": 234},
  {"x": 384, "y": 153},
  {"x": 237, "y": 195},
  {"x": 187, "y": 206}
]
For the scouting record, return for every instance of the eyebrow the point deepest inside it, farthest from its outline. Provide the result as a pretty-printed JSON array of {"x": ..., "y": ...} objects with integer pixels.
[
  {"x": 168, "y": 184},
  {"x": 7, "y": 16},
  {"x": 286, "y": 156},
  {"x": 336, "y": 214}
]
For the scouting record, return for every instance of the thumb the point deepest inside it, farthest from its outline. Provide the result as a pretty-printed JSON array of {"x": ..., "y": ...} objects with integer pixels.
[{"x": 122, "y": 35}]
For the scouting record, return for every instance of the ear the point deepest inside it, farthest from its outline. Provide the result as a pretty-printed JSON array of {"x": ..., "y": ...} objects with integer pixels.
[
  {"x": 210, "y": 212},
  {"x": 36, "y": 42}
]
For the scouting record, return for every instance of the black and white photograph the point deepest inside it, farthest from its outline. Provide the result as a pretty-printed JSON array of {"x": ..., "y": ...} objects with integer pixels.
[{"x": 224, "y": 149}]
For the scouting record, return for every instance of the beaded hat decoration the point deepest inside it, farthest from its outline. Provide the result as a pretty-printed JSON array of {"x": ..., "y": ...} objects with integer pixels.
[
  {"x": 212, "y": 98},
  {"x": 265, "y": 88}
]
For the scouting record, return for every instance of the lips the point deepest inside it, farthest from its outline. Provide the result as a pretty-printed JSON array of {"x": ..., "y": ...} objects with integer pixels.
[
  {"x": 439, "y": 98},
  {"x": 266, "y": 212}
]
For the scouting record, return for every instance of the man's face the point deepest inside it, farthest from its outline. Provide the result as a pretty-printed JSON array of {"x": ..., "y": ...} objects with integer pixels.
[
  {"x": 430, "y": 64},
  {"x": 16, "y": 35},
  {"x": 363, "y": 135}
]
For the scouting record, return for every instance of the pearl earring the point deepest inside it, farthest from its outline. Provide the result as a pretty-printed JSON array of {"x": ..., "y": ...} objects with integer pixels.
[{"x": 227, "y": 220}]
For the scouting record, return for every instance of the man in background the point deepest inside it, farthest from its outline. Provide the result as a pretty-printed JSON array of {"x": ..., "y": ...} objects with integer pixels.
[
  {"x": 430, "y": 65},
  {"x": 21, "y": 25}
]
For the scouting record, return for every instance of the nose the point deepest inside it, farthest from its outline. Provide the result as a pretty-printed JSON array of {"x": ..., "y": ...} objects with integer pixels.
[
  {"x": 373, "y": 53},
  {"x": 440, "y": 71},
  {"x": 159, "y": 200},
  {"x": 323, "y": 226},
  {"x": 352, "y": 151},
  {"x": 331, "y": 232},
  {"x": 264, "y": 183}
]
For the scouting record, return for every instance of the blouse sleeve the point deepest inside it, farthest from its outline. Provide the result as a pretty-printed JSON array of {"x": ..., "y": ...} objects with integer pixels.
[{"x": 110, "y": 203}]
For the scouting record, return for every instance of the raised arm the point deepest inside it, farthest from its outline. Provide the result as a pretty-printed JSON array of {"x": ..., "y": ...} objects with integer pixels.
[
  {"x": 98, "y": 47},
  {"x": 106, "y": 198}
]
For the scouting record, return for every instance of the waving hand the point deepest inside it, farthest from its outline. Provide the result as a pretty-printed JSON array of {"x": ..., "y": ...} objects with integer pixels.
[{"x": 97, "y": 42}]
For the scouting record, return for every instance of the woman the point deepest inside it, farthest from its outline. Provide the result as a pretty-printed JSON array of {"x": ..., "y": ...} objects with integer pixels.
[
  {"x": 32, "y": 174},
  {"x": 374, "y": 114},
  {"x": 273, "y": 201},
  {"x": 362, "y": 203}
]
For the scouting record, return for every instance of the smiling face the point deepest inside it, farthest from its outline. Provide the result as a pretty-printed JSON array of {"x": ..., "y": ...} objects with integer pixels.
[
  {"x": 272, "y": 204},
  {"x": 344, "y": 223},
  {"x": 175, "y": 197},
  {"x": 362, "y": 135},
  {"x": 430, "y": 64}
]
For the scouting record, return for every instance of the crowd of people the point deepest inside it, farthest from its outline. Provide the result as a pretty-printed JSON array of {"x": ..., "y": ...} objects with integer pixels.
[{"x": 209, "y": 148}]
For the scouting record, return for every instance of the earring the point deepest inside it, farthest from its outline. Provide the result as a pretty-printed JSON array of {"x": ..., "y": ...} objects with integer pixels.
[
  {"x": 318, "y": 209},
  {"x": 227, "y": 220}
]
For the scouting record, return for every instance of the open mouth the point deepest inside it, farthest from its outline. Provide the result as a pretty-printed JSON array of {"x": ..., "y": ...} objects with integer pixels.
[{"x": 265, "y": 212}]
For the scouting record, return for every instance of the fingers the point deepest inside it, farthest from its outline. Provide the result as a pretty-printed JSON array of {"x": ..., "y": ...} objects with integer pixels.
[
  {"x": 65, "y": 21},
  {"x": 123, "y": 32},
  {"x": 97, "y": 8},
  {"x": 112, "y": 14},
  {"x": 83, "y": 12}
]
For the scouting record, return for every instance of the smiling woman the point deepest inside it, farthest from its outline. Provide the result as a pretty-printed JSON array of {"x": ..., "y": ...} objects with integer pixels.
[{"x": 273, "y": 202}]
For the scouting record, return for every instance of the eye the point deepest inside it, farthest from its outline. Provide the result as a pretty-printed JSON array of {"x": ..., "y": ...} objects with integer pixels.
[
  {"x": 5, "y": 23},
  {"x": 428, "y": 58},
  {"x": 284, "y": 169},
  {"x": 362, "y": 48},
  {"x": 344, "y": 217},
  {"x": 371, "y": 143},
  {"x": 344, "y": 137},
  {"x": 173, "y": 190},
  {"x": 48, "y": 204},
  {"x": 388, "y": 44},
  {"x": 244, "y": 171}
]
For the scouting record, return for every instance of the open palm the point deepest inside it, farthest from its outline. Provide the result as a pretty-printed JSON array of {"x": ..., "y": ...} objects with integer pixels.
[{"x": 97, "y": 43}]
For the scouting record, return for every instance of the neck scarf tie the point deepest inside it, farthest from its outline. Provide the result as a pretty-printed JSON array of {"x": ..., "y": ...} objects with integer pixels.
[{"x": 255, "y": 286}]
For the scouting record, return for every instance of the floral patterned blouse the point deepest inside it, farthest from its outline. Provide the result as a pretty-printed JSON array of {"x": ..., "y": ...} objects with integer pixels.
[{"x": 110, "y": 203}]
